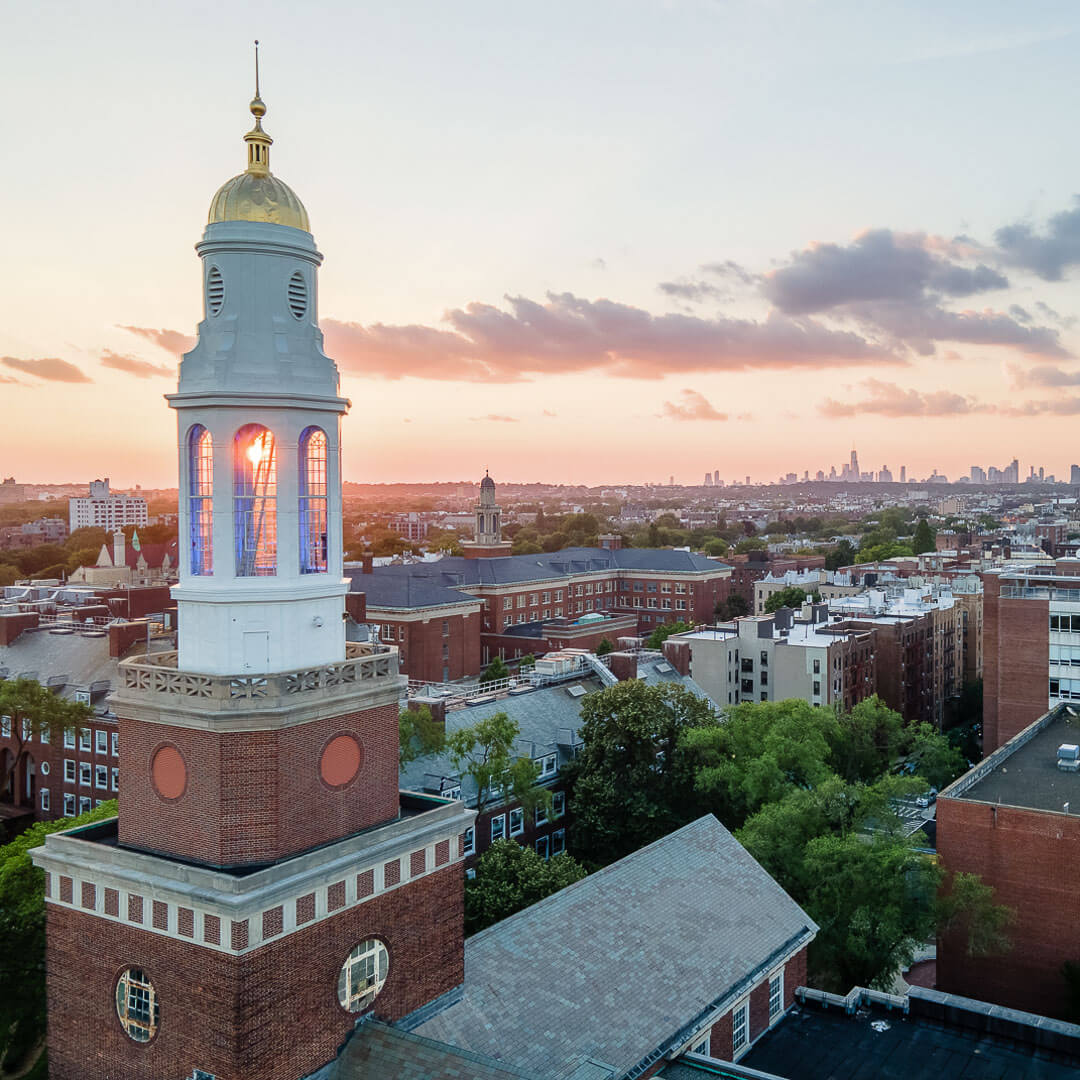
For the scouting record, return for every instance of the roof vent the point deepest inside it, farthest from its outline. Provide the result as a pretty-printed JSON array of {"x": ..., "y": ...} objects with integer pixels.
[
  {"x": 1068, "y": 757},
  {"x": 215, "y": 291},
  {"x": 576, "y": 691}
]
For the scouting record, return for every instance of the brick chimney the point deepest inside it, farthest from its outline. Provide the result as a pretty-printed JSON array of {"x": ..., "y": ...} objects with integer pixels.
[
  {"x": 623, "y": 665},
  {"x": 367, "y": 562}
]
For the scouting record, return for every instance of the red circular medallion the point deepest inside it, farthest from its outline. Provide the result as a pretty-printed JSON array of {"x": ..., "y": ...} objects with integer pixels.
[
  {"x": 168, "y": 772},
  {"x": 340, "y": 761}
]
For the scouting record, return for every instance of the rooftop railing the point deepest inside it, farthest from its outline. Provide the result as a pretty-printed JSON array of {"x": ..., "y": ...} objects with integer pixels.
[{"x": 157, "y": 673}]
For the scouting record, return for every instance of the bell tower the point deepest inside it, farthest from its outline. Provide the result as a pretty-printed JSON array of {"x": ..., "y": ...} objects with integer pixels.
[
  {"x": 487, "y": 539},
  {"x": 265, "y": 884}
]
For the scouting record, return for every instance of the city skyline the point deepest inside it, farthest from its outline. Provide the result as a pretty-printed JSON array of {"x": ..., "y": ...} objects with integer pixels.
[{"x": 562, "y": 270}]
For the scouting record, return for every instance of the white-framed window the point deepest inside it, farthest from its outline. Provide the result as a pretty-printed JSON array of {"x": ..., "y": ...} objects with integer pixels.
[
  {"x": 69, "y": 770},
  {"x": 521, "y": 600},
  {"x": 588, "y": 588},
  {"x": 534, "y": 599},
  {"x": 543, "y": 847},
  {"x": 740, "y": 1027},
  {"x": 776, "y": 995},
  {"x": 101, "y": 742},
  {"x": 470, "y": 873},
  {"x": 546, "y": 597},
  {"x": 547, "y": 613},
  {"x": 101, "y": 776},
  {"x": 549, "y": 766},
  {"x": 69, "y": 739},
  {"x": 5, "y": 727},
  {"x": 498, "y": 827},
  {"x": 558, "y": 613},
  {"x": 85, "y": 804},
  {"x": 85, "y": 739},
  {"x": 702, "y": 1045},
  {"x": 27, "y": 730},
  {"x": 115, "y": 779},
  {"x": 85, "y": 774},
  {"x": 508, "y": 603},
  {"x": 558, "y": 595},
  {"x": 69, "y": 806},
  {"x": 45, "y": 768},
  {"x": 541, "y": 816},
  {"x": 517, "y": 821},
  {"x": 558, "y": 841},
  {"x": 558, "y": 804},
  {"x": 43, "y": 735},
  {"x": 680, "y": 589},
  {"x": 45, "y": 799},
  {"x": 115, "y": 741},
  {"x": 469, "y": 844},
  {"x": 362, "y": 975},
  {"x": 680, "y": 605},
  {"x": 665, "y": 586}
]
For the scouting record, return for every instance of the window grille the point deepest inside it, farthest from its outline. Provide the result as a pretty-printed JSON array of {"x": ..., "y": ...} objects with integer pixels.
[
  {"x": 137, "y": 1005},
  {"x": 313, "y": 505},
  {"x": 201, "y": 500},
  {"x": 255, "y": 501},
  {"x": 363, "y": 975}
]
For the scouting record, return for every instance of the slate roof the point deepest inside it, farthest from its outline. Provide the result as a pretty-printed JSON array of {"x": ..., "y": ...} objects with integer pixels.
[
  {"x": 416, "y": 585},
  {"x": 379, "y": 1052},
  {"x": 545, "y": 717},
  {"x": 624, "y": 965}
]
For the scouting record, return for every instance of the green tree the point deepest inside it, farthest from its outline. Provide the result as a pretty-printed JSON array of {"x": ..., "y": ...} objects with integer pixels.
[
  {"x": 485, "y": 752},
  {"x": 733, "y": 607},
  {"x": 8, "y": 574},
  {"x": 751, "y": 543},
  {"x": 923, "y": 539},
  {"x": 874, "y": 901},
  {"x": 843, "y": 554},
  {"x": 868, "y": 740},
  {"x": 495, "y": 671},
  {"x": 715, "y": 547},
  {"x": 929, "y": 754},
  {"x": 629, "y": 781},
  {"x": 22, "y": 931},
  {"x": 878, "y": 552},
  {"x": 510, "y": 877},
  {"x": 604, "y": 647},
  {"x": 34, "y": 709},
  {"x": 791, "y": 597},
  {"x": 419, "y": 735},
  {"x": 657, "y": 638},
  {"x": 966, "y": 909},
  {"x": 527, "y": 662}
]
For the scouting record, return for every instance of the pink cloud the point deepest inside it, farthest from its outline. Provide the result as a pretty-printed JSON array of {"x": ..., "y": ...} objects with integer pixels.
[
  {"x": 169, "y": 340},
  {"x": 50, "y": 368},
  {"x": 693, "y": 406},
  {"x": 888, "y": 399},
  {"x": 141, "y": 369}
]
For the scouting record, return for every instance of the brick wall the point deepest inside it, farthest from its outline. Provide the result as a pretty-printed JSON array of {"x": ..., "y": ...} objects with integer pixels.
[
  {"x": 1016, "y": 650},
  {"x": 271, "y": 1015},
  {"x": 255, "y": 797},
  {"x": 1029, "y": 857}
]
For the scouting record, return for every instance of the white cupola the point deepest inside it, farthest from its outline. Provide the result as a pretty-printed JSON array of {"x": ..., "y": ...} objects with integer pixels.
[{"x": 259, "y": 420}]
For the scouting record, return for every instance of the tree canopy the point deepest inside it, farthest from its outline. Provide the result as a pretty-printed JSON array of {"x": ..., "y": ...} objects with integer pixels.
[
  {"x": 793, "y": 596},
  {"x": 419, "y": 735},
  {"x": 509, "y": 877}
]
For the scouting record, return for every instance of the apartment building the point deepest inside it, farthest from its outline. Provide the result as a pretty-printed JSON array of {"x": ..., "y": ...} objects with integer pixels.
[
  {"x": 776, "y": 657},
  {"x": 103, "y": 509}
]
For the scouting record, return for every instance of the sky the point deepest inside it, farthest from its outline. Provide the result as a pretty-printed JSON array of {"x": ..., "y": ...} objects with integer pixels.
[{"x": 598, "y": 241}]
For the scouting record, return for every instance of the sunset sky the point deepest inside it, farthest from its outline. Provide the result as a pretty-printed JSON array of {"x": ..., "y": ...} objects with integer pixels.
[{"x": 582, "y": 242}]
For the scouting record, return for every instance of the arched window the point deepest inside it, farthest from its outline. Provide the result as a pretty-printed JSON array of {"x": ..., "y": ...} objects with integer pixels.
[
  {"x": 255, "y": 501},
  {"x": 312, "y": 473},
  {"x": 201, "y": 499}
]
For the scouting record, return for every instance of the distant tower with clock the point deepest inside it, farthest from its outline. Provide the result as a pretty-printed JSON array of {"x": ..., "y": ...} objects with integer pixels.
[
  {"x": 265, "y": 884},
  {"x": 487, "y": 539}
]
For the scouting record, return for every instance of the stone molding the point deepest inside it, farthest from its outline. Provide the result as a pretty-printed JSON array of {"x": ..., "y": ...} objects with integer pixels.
[{"x": 236, "y": 914}]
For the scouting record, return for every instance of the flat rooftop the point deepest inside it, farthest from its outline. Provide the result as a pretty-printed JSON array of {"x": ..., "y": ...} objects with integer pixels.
[
  {"x": 1024, "y": 771},
  {"x": 815, "y": 1044}
]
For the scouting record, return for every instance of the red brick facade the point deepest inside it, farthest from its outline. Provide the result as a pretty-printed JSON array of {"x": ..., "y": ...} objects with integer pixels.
[
  {"x": 256, "y": 797},
  {"x": 1016, "y": 650},
  {"x": 237, "y": 1017},
  {"x": 433, "y": 647},
  {"x": 1029, "y": 858}
]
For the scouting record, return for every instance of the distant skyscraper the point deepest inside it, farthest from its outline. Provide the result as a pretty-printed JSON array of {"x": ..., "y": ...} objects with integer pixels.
[
  {"x": 708, "y": 479},
  {"x": 903, "y": 474},
  {"x": 716, "y": 478},
  {"x": 854, "y": 465},
  {"x": 885, "y": 477},
  {"x": 1074, "y": 474},
  {"x": 978, "y": 474}
]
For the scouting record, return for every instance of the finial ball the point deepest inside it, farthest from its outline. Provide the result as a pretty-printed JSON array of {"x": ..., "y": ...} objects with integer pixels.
[{"x": 258, "y": 109}]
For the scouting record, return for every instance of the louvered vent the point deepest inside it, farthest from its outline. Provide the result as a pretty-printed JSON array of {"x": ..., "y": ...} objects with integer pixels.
[
  {"x": 297, "y": 295},
  {"x": 215, "y": 291}
]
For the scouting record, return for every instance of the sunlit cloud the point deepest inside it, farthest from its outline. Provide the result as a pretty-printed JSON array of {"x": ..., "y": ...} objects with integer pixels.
[
  {"x": 692, "y": 406},
  {"x": 50, "y": 368},
  {"x": 132, "y": 365},
  {"x": 567, "y": 334},
  {"x": 888, "y": 399},
  {"x": 496, "y": 418},
  {"x": 1043, "y": 375},
  {"x": 1047, "y": 253},
  {"x": 170, "y": 340}
]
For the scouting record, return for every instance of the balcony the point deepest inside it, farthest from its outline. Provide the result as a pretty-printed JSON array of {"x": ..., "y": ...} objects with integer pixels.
[{"x": 157, "y": 674}]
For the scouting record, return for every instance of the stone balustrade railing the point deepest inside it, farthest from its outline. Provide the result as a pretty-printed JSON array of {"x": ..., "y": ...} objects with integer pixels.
[{"x": 157, "y": 673}]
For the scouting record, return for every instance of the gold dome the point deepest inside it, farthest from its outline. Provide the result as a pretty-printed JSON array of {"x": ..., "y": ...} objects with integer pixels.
[
  {"x": 255, "y": 197},
  {"x": 256, "y": 194}
]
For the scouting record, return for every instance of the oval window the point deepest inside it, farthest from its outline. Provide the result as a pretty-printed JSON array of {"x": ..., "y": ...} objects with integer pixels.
[
  {"x": 215, "y": 291},
  {"x": 297, "y": 295},
  {"x": 362, "y": 975},
  {"x": 137, "y": 1005}
]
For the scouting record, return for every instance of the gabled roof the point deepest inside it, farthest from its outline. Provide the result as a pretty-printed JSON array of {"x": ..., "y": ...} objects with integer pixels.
[
  {"x": 627, "y": 964},
  {"x": 377, "y": 1051},
  {"x": 415, "y": 585}
]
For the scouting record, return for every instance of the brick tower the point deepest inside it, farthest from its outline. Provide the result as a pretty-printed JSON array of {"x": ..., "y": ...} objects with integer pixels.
[{"x": 265, "y": 884}]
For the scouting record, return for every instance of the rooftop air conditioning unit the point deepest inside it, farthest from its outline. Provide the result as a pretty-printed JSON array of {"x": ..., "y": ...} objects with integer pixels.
[{"x": 1068, "y": 757}]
